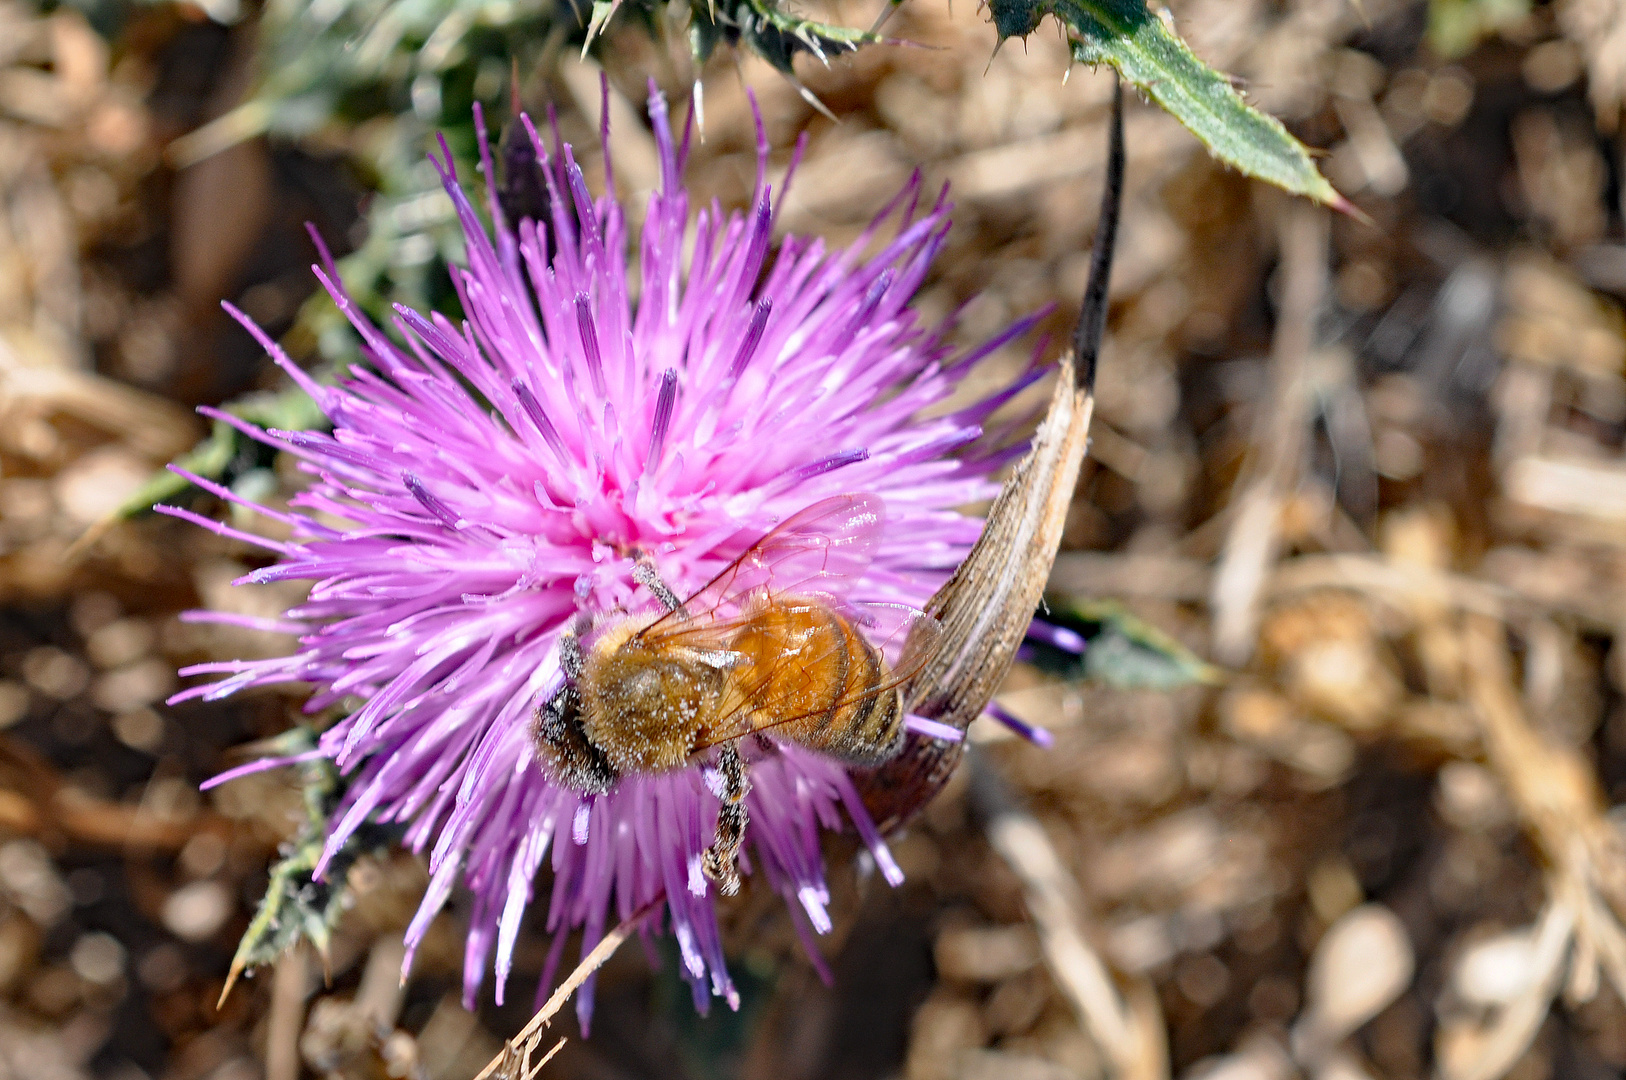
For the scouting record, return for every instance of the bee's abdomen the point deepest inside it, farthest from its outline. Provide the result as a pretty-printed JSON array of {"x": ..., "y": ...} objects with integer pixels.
[{"x": 831, "y": 684}]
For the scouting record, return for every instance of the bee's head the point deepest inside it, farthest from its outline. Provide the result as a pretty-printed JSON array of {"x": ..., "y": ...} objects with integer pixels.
[{"x": 644, "y": 705}]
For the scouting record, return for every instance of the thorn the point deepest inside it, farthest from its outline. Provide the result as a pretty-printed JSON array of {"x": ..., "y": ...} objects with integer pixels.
[
  {"x": 231, "y": 981},
  {"x": 596, "y": 23},
  {"x": 812, "y": 99},
  {"x": 889, "y": 9},
  {"x": 1350, "y": 210}
]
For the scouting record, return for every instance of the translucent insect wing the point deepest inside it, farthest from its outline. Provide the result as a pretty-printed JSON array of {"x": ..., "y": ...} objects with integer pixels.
[
  {"x": 820, "y": 551},
  {"x": 824, "y": 549}
]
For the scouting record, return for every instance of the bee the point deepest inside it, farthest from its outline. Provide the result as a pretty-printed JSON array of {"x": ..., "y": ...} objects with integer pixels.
[{"x": 764, "y": 649}]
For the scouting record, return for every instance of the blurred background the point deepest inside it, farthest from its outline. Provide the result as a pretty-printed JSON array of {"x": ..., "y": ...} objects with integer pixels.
[{"x": 1371, "y": 473}]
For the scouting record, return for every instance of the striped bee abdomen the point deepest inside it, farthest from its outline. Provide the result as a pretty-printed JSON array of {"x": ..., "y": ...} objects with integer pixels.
[{"x": 805, "y": 660}]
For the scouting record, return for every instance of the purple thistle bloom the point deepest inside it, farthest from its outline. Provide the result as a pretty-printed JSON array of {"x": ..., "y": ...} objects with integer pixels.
[{"x": 487, "y": 482}]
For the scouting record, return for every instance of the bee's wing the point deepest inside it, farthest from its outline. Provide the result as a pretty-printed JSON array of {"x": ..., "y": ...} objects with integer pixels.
[
  {"x": 752, "y": 710},
  {"x": 820, "y": 550}
]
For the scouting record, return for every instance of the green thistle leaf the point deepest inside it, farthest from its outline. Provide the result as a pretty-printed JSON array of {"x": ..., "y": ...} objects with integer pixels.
[
  {"x": 1123, "y": 651},
  {"x": 228, "y": 455},
  {"x": 296, "y": 906},
  {"x": 1147, "y": 53},
  {"x": 765, "y": 28}
]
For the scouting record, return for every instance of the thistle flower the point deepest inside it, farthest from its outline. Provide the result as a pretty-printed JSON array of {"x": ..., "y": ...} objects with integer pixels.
[{"x": 488, "y": 481}]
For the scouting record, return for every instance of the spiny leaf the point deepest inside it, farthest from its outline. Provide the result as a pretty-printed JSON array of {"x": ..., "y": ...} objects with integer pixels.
[
  {"x": 602, "y": 10},
  {"x": 1123, "y": 651},
  {"x": 769, "y": 31},
  {"x": 1125, "y": 34},
  {"x": 297, "y": 907}
]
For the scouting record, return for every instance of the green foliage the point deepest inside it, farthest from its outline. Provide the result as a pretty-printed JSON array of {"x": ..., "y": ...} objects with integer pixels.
[
  {"x": 1123, "y": 651},
  {"x": 336, "y": 62},
  {"x": 1147, "y": 52},
  {"x": 228, "y": 456},
  {"x": 1455, "y": 27},
  {"x": 382, "y": 78},
  {"x": 768, "y": 30},
  {"x": 296, "y": 906}
]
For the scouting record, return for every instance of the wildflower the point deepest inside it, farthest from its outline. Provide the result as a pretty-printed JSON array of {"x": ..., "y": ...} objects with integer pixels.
[{"x": 488, "y": 481}]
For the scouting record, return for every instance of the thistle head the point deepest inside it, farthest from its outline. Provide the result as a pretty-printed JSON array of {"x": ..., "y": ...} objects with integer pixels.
[{"x": 488, "y": 481}]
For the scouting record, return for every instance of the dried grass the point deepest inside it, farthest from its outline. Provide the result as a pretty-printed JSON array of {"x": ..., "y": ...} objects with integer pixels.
[{"x": 1376, "y": 471}]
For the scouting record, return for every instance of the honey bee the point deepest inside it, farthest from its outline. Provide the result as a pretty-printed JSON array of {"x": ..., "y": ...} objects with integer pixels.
[{"x": 765, "y": 648}]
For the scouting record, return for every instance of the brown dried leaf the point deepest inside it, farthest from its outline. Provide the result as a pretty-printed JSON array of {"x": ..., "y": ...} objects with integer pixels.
[{"x": 985, "y": 608}]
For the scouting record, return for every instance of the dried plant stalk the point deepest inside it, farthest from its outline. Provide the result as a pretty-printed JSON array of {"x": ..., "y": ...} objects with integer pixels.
[
  {"x": 1253, "y": 539},
  {"x": 287, "y": 1018},
  {"x": 515, "y": 1058},
  {"x": 1129, "y": 1032},
  {"x": 1562, "y": 807},
  {"x": 985, "y": 608}
]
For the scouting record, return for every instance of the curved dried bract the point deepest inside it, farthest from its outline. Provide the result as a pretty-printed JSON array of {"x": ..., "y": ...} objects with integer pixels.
[{"x": 985, "y": 608}]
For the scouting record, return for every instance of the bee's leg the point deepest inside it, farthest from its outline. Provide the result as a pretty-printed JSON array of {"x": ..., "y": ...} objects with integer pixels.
[
  {"x": 645, "y": 574},
  {"x": 731, "y": 820}
]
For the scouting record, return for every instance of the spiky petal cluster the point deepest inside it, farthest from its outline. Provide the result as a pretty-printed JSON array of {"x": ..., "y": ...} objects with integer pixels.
[{"x": 488, "y": 481}]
